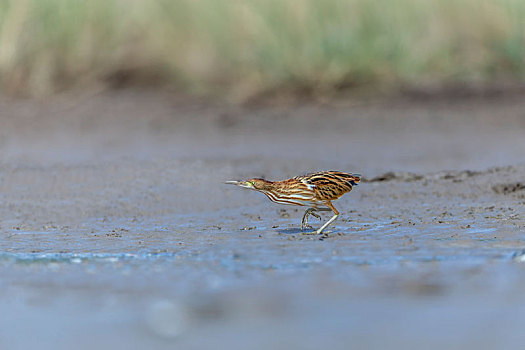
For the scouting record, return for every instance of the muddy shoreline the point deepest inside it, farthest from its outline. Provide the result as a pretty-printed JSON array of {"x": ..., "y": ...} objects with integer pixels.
[{"x": 114, "y": 222}]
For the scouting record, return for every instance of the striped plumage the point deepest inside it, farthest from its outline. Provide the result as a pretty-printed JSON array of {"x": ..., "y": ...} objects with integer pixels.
[
  {"x": 311, "y": 190},
  {"x": 315, "y": 190}
]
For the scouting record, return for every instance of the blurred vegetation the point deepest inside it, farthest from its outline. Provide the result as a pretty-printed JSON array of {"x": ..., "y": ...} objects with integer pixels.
[{"x": 242, "y": 48}]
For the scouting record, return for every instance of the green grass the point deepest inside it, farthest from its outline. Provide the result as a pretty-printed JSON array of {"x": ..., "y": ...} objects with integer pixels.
[{"x": 241, "y": 48}]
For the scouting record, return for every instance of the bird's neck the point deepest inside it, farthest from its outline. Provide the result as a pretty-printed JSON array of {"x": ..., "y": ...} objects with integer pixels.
[{"x": 268, "y": 185}]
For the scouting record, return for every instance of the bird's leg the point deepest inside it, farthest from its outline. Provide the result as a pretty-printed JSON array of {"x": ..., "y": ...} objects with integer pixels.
[
  {"x": 308, "y": 212},
  {"x": 336, "y": 214}
]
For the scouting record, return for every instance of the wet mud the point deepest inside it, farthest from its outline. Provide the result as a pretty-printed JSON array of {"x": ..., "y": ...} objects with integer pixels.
[{"x": 114, "y": 221}]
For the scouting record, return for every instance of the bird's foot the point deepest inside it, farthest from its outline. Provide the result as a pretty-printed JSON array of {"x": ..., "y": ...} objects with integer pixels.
[
  {"x": 304, "y": 222},
  {"x": 323, "y": 236},
  {"x": 309, "y": 233}
]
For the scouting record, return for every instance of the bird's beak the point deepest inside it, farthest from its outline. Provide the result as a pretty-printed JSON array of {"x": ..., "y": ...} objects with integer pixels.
[
  {"x": 233, "y": 182},
  {"x": 245, "y": 184}
]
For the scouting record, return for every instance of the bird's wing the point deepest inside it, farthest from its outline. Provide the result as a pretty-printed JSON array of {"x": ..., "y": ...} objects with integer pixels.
[
  {"x": 308, "y": 184},
  {"x": 330, "y": 185},
  {"x": 324, "y": 176}
]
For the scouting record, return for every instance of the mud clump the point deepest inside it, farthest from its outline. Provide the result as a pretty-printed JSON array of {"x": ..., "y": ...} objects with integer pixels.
[
  {"x": 395, "y": 176},
  {"x": 508, "y": 188},
  {"x": 456, "y": 176}
]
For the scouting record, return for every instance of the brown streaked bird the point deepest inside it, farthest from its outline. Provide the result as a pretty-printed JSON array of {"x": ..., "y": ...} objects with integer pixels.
[{"x": 315, "y": 190}]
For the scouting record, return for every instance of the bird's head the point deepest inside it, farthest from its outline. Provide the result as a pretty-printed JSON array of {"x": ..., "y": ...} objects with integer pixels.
[{"x": 252, "y": 184}]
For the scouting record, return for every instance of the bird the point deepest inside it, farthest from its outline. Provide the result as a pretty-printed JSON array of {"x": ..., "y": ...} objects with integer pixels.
[{"x": 315, "y": 190}]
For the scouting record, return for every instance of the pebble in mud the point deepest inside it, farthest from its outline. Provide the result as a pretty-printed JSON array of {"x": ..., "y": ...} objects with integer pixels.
[{"x": 283, "y": 213}]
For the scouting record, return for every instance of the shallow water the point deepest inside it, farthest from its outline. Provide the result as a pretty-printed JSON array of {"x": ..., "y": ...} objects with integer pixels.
[{"x": 115, "y": 233}]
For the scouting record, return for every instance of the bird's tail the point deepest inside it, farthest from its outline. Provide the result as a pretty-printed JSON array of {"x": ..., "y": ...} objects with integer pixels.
[{"x": 356, "y": 178}]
